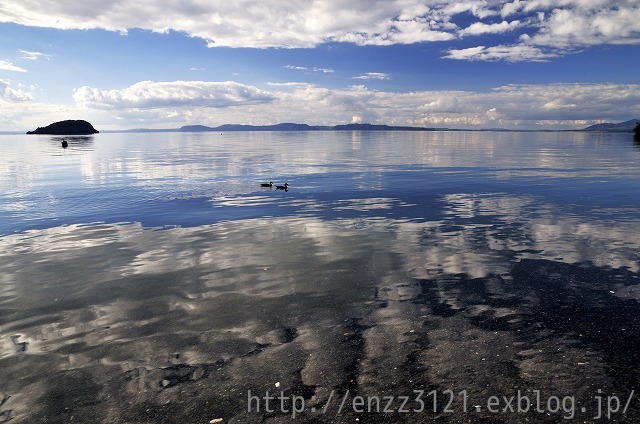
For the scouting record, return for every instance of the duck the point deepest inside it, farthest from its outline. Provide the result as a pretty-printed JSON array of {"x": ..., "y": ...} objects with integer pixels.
[
  {"x": 285, "y": 187},
  {"x": 64, "y": 143},
  {"x": 267, "y": 185}
]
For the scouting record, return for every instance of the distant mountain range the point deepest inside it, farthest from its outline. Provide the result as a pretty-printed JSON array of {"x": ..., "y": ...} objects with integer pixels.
[
  {"x": 626, "y": 126},
  {"x": 287, "y": 126}
]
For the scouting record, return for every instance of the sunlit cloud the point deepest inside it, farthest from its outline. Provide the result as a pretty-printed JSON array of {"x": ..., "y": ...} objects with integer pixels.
[
  {"x": 580, "y": 26},
  {"x": 269, "y": 23},
  {"x": 150, "y": 95},
  {"x": 8, "y": 66},
  {"x": 508, "y": 106},
  {"x": 12, "y": 95},
  {"x": 560, "y": 25},
  {"x": 479, "y": 28},
  {"x": 150, "y": 104},
  {"x": 515, "y": 53}
]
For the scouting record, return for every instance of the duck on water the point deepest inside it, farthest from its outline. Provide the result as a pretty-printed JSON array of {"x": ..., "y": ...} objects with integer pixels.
[
  {"x": 284, "y": 187},
  {"x": 267, "y": 185}
]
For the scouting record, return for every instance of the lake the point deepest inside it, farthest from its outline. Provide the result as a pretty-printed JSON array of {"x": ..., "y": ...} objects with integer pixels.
[{"x": 402, "y": 277}]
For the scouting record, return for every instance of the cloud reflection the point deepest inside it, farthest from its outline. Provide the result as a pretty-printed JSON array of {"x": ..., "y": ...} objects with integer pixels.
[{"x": 150, "y": 318}]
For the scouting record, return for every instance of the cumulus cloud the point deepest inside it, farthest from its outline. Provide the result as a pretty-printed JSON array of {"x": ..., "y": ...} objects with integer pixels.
[
  {"x": 242, "y": 23},
  {"x": 513, "y": 106},
  {"x": 560, "y": 25},
  {"x": 21, "y": 111},
  {"x": 11, "y": 95},
  {"x": 150, "y": 94},
  {"x": 417, "y": 30},
  {"x": 173, "y": 104},
  {"x": 8, "y": 66},
  {"x": 478, "y": 28},
  {"x": 480, "y": 8},
  {"x": 589, "y": 26},
  {"x": 509, "y": 106}
]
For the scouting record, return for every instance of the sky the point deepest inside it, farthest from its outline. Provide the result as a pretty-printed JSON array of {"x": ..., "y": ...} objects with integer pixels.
[{"x": 517, "y": 64}]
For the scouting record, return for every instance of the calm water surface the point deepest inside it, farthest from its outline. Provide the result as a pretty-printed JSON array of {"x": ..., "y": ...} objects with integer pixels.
[{"x": 148, "y": 278}]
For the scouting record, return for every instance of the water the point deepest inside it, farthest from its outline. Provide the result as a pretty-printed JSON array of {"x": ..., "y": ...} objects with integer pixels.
[{"x": 148, "y": 277}]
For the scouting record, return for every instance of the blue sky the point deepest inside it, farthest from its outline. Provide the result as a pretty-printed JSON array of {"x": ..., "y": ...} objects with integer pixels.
[{"x": 530, "y": 64}]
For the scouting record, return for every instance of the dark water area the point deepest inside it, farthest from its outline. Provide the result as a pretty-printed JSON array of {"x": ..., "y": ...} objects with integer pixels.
[{"x": 402, "y": 277}]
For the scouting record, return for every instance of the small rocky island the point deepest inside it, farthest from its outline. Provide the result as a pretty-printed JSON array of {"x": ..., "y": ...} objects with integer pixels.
[{"x": 68, "y": 127}]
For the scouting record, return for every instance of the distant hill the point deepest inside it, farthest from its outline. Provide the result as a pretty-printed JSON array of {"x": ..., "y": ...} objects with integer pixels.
[
  {"x": 287, "y": 126},
  {"x": 237, "y": 127},
  {"x": 626, "y": 126},
  {"x": 69, "y": 127},
  {"x": 371, "y": 127}
]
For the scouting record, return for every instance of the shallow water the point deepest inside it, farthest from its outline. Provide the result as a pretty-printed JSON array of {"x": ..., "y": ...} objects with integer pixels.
[{"x": 148, "y": 277}]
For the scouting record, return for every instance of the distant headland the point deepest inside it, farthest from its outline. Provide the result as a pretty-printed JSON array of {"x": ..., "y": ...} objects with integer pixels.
[
  {"x": 68, "y": 127},
  {"x": 626, "y": 126}
]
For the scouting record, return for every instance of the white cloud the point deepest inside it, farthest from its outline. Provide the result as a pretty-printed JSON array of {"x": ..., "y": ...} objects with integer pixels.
[
  {"x": 511, "y": 106},
  {"x": 9, "y": 94},
  {"x": 373, "y": 76},
  {"x": 515, "y": 53},
  {"x": 446, "y": 102},
  {"x": 173, "y": 104},
  {"x": 560, "y": 25},
  {"x": 417, "y": 30},
  {"x": 241, "y": 23},
  {"x": 304, "y": 68},
  {"x": 478, "y": 28},
  {"x": 33, "y": 55},
  {"x": 511, "y": 8},
  {"x": 20, "y": 111},
  {"x": 8, "y": 66},
  {"x": 289, "y": 84},
  {"x": 479, "y": 8},
  {"x": 590, "y": 26},
  {"x": 150, "y": 94}
]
